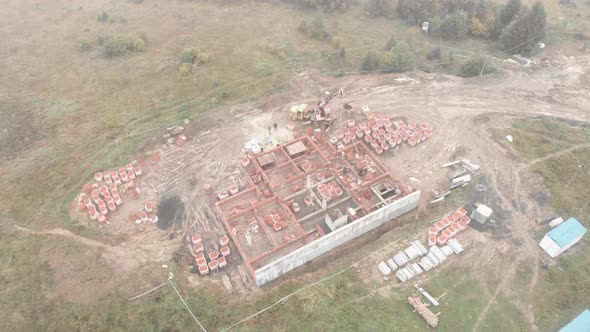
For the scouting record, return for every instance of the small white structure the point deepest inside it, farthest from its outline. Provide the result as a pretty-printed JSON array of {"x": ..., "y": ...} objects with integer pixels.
[
  {"x": 562, "y": 237},
  {"x": 482, "y": 214},
  {"x": 384, "y": 269}
]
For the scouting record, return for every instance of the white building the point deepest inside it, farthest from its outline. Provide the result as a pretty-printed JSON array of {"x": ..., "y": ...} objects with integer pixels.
[{"x": 562, "y": 237}]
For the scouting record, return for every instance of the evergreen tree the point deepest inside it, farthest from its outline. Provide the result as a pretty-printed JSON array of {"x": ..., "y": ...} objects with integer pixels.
[
  {"x": 383, "y": 8},
  {"x": 371, "y": 62},
  {"x": 390, "y": 43},
  {"x": 454, "y": 26},
  {"x": 399, "y": 58},
  {"x": 526, "y": 31},
  {"x": 508, "y": 13}
]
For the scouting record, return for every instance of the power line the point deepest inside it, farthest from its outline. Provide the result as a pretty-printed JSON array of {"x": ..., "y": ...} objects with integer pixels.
[
  {"x": 177, "y": 293},
  {"x": 285, "y": 298},
  {"x": 187, "y": 308}
]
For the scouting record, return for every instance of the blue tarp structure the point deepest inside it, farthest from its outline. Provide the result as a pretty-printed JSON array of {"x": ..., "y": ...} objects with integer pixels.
[
  {"x": 579, "y": 324},
  {"x": 566, "y": 232}
]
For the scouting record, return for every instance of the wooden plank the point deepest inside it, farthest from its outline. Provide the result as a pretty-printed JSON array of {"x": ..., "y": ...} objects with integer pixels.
[{"x": 423, "y": 310}]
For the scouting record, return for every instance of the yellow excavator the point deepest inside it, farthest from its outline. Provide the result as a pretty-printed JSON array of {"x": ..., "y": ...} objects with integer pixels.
[{"x": 317, "y": 113}]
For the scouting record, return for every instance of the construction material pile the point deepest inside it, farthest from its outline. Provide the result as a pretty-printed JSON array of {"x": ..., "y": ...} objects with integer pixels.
[
  {"x": 104, "y": 192},
  {"x": 213, "y": 261},
  {"x": 276, "y": 219},
  {"x": 381, "y": 133},
  {"x": 448, "y": 227},
  {"x": 406, "y": 269},
  {"x": 330, "y": 190}
]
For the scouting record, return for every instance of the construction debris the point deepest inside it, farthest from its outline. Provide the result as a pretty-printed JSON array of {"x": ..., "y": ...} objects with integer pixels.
[
  {"x": 423, "y": 310},
  {"x": 426, "y": 295},
  {"x": 458, "y": 176}
]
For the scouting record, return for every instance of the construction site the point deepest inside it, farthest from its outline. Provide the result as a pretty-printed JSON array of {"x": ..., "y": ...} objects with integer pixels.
[
  {"x": 289, "y": 199},
  {"x": 294, "y": 184}
]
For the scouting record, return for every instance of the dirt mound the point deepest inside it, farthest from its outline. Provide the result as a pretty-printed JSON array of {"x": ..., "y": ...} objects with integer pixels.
[{"x": 170, "y": 212}]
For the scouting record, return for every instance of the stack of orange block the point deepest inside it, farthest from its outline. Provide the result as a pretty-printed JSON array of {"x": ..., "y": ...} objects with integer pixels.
[
  {"x": 448, "y": 227},
  {"x": 215, "y": 260}
]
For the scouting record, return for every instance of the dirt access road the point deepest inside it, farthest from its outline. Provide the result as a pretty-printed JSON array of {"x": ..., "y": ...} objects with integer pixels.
[{"x": 464, "y": 114}]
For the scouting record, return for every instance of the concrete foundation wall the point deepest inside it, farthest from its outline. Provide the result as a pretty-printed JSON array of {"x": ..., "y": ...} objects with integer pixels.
[{"x": 336, "y": 238}]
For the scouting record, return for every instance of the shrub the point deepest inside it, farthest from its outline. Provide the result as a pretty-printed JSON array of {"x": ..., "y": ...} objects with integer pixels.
[
  {"x": 337, "y": 42},
  {"x": 390, "y": 43},
  {"x": 473, "y": 68},
  {"x": 327, "y": 5},
  {"x": 434, "y": 54},
  {"x": 120, "y": 45},
  {"x": 415, "y": 11},
  {"x": 203, "y": 57},
  {"x": 86, "y": 45},
  {"x": 454, "y": 26},
  {"x": 194, "y": 56},
  {"x": 315, "y": 29},
  {"x": 371, "y": 62},
  {"x": 398, "y": 59},
  {"x": 103, "y": 17},
  {"x": 185, "y": 69},
  {"x": 138, "y": 45},
  {"x": 524, "y": 33},
  {"x": 384, "y": 8},
  {"x": 116, "y": 46}
]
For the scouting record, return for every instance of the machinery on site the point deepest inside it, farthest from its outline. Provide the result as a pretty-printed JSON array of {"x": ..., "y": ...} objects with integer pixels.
[{"x": 318, "y": 114}]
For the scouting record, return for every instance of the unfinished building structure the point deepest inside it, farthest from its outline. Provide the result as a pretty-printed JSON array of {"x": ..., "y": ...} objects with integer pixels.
[{"x": 305, "y": 198}]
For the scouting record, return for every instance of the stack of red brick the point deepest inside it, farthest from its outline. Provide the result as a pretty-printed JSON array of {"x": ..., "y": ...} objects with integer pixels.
[
  {"x": 213, "y": 261},
  {"x": 448, "y": 227}
]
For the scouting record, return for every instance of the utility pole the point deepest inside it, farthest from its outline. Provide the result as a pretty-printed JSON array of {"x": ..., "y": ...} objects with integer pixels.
[{"x": 483, "y": 67}]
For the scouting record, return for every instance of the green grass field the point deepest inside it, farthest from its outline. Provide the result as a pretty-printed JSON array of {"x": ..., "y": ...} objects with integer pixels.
[{"x": 561, "y": 292}]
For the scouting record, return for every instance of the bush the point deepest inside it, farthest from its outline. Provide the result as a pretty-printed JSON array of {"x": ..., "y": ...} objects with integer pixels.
[
  {"x": 116, "y": 46},
  {"x": 473, "y": 68},
  {"x": 315, "y": 29},
  {"x": 385, "y": 8},
  {"x": 185, "y": 69},
  {"x": 203, "y": 57},
  {"x": 454, "y": 26},
  {"x": 370, "y": 62},
  {"x": 194, "y": 56},
  {"x": 86, "y": 45},
  {"x": 138, "y": 45},
  {"x": 327, "y": 5},
  {"x": 398, "y": 59},
  {"x": 524, "y": 33},
  {"x": 120, "y": 45},
  {"x": 434, "y": 54},
  {"x": 103, "y": 17},
  {"x": 337, "y": 42},
  {"x": 188, "y": 55},
  {"x": 415, "y": 11},
  {"x": 391, "y": 43}
]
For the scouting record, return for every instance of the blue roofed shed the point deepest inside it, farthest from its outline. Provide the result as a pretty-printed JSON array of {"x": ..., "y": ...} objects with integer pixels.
[
  {"x": 579, "y": 324},
  {"x": 562, "y": 237}
]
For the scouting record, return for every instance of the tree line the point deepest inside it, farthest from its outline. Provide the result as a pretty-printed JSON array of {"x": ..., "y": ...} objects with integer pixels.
[{"x": 516, "y": 27}]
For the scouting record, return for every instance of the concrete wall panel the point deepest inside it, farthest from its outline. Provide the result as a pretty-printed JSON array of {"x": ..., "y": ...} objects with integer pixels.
[{"x": 336, "y": 238}]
